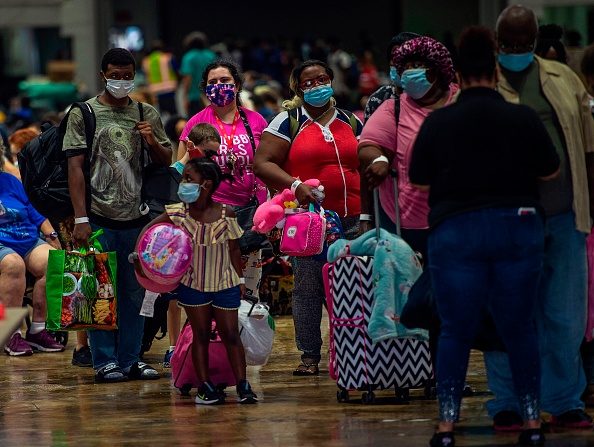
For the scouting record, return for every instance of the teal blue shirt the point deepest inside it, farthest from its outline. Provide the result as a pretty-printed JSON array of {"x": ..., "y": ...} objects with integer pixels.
[{"x": 193, "y": 64}]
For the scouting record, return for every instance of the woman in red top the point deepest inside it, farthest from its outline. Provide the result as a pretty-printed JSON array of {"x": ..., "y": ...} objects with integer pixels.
[{"x": 322, "y": 146}]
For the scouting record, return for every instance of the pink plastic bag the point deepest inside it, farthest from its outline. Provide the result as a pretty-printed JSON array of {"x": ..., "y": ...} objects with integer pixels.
[
  {"x": 304, "y": 233},
  {"x": 183, "y": 373},
  {"x": 590, "y": 252}
]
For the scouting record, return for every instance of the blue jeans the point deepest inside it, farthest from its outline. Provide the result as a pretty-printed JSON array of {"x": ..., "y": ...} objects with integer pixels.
[
  {"x": 561, "y": 324},
  {"x": 487, "y": 259},
  {"x": 121, "y": 346}
]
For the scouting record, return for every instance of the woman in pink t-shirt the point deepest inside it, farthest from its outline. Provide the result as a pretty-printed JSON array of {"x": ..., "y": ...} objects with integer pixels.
[
  {"x": 427, "y": 76},
  {"x": 240, "y": 131}
]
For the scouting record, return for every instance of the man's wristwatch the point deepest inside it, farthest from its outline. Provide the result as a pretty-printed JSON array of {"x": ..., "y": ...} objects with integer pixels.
[{"x": 53, "y": 236}]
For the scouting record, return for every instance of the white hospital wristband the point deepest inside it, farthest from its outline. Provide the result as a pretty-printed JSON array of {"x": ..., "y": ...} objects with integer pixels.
[
  {"x": 381, "y": 158},
  {"x": 295, "y": 185},
  {"x": 80, "y": 220},
  {"x": 365, "y": 217}
]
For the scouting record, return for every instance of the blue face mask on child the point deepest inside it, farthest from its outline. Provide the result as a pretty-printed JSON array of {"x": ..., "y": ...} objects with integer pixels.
[
  {"x": 188, "y": 192},
  {"x": 395, "y": 77}
]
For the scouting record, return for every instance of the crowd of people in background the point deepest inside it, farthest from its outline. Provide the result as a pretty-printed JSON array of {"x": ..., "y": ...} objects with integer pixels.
[{"x": 278, "y": 115}]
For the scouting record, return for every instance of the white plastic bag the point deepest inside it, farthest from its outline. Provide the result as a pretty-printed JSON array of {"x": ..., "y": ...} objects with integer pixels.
[{"x": 256, "y": 328}]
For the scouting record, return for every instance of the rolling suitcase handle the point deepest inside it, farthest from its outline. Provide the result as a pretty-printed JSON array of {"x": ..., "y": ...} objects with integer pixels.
[{"x": 376, "y": 204}]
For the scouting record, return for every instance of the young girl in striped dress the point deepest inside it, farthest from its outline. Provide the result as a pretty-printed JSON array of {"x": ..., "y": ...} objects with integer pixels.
[{"x": 213, "y": 285}]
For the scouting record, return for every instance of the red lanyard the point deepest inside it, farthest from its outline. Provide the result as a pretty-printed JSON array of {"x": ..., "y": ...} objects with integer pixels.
[{"x": 228, "y": 140}]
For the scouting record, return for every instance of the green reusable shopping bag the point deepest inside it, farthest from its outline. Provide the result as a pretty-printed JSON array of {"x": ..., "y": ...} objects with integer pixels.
[{"x": 81, "y": 288}]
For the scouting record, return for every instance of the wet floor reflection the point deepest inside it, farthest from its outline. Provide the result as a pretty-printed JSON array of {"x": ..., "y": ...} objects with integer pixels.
[{"x": 44, "y": 401}]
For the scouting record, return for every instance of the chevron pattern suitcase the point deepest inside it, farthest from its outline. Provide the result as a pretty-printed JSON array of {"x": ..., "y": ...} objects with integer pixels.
[{"x": 355, "y": 362}]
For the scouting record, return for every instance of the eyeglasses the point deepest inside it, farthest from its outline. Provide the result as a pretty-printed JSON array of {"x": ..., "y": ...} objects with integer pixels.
[
  {"x": 310, "y": 83},
  {"x": 517, "y": 48}
]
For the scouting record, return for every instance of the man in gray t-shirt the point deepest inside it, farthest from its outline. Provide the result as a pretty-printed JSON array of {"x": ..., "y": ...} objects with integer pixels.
[
  {"x": 116, "y": 174},
  {"x": 116, "y": 182}
]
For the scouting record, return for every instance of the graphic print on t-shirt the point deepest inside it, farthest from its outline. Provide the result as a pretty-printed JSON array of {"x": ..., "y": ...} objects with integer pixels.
[
  {"x": 11, "y": 224},
  {"x": 115, "y": 175},
  {"x": 235, "y": 154}
]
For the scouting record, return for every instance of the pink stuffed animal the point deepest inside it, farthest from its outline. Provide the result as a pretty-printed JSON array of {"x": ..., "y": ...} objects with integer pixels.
[{"x": 271, "y": 212}]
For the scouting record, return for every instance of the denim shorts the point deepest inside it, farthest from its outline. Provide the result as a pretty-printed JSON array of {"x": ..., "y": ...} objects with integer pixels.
[
  {"x": 5, "y": 251},
  {"x": 228, "y": 299}
]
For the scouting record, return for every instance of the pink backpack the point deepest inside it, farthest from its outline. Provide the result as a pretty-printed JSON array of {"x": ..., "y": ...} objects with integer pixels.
[
  {"x": 183, "y": 373},
  {"x": 304, "y": 233}
]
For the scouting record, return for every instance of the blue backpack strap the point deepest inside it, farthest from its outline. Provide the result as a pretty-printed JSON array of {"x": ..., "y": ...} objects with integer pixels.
[
  {"x": 294, "y": 124},
  {"x": 397, "y": 110},
  {"x": 352, "y": 119}
]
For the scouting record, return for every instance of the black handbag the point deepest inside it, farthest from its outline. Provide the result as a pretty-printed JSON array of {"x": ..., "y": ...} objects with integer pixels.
[
  {"x": 159, "y": 182},
  {"x": 251, "y": 240},
  {"x": 420, "y": 311}
]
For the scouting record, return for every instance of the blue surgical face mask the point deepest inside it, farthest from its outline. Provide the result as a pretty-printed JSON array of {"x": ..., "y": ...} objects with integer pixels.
[
  {"x": 318, "y": 96},
  {"x": 515, "y": 62},
  {"x": 188, "y": 192},
  {"x": 414, "y": 82},
  {"x": 395, "y": 77}
]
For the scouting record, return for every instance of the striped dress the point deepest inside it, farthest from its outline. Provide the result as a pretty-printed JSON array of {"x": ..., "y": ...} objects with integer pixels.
[{"x": 211, "y": 269}]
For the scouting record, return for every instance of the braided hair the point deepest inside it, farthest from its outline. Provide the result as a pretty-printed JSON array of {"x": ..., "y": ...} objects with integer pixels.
[{"x": 209, "y": 169}]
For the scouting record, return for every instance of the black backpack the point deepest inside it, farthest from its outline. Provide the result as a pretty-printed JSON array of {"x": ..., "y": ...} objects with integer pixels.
[
  {"x": 159, "y": 183},
  {"x": 44, "y": 167},
  {"x": 156, "y": 323}
]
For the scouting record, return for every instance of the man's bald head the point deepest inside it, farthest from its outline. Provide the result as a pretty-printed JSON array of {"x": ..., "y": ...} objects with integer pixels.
[{"x": 517, "y": 26}]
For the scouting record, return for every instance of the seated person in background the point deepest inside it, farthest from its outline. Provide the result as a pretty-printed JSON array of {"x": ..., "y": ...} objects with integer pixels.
[
  {"x": 19, "y": 139},
  {"x": 21, "y": 249},
  {"x": 5, "y": 164}
]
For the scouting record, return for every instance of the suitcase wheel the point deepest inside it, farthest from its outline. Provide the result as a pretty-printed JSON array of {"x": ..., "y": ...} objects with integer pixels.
[
  {"x": 185, "y": 389},
  {"x": 342, "y": 395},
  {"x": 402, "y": 395},
  {"x": 368, "y": 398}
]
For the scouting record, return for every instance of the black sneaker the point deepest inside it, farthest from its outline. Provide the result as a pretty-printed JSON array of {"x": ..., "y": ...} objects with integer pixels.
[
  {"x": 531, "y": 436},
  {"x": 82, "y": 357},
  {"x": 142, "y": 371},
  {"x": 208, "y": 395},
  {"x": 245, "y": 393},
  {"x": 443, "y": 439},
  {"x": 110, "y": 373}
]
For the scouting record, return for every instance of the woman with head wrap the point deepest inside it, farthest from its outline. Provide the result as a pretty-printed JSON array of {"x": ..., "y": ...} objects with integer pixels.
[
  {"x": 426, "y": 72},
  {"x": 427, "y": 77},
  {"x": 394, "y": 88}
]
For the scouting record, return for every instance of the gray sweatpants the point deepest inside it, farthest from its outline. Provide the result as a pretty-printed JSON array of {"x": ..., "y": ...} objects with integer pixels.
[{"x": 309, "y": 297}]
